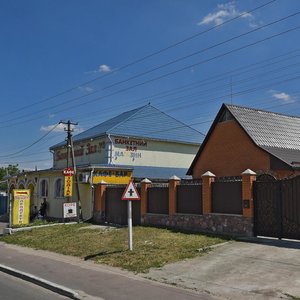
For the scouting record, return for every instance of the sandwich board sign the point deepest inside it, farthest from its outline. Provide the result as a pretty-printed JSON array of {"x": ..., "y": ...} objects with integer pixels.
[{"x": 130, "y": 193}]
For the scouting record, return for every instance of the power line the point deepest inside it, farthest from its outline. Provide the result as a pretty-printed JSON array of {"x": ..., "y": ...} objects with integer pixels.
[
  {"x": 34, "y": 143},
  {"x": 143, "y": 58},
  {"x": 167, "y": 64}
]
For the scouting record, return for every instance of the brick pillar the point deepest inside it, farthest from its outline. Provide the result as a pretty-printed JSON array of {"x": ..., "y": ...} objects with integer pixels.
[
  {"x": 100, "y": 196},
  {"x": 145, "y": 184},
  {"x": 248, "y": 176},
  {"x": 173, "y": 182},
  {"x": 207, "y": 179}
]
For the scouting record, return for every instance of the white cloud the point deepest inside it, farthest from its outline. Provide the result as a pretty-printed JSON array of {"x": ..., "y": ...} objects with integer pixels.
[
  {"x": 224, "y": 12},
  {"x": 104, "y": 69},
  {"x": 86, "y": 89},
  {"x": 51, "y": 116},
  {"x": 284, "y": 97},
  {"x": 60, "y": 128}
]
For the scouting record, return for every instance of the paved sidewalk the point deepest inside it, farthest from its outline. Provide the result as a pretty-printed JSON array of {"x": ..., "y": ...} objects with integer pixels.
[
  {"x": 89, "y": 280},
  {"x": 269, "y": 269},
  {"x": 2, "y": 226}
]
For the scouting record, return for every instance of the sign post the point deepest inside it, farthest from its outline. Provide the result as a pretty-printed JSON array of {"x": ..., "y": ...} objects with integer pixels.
[{"x": 130, "y": 194}]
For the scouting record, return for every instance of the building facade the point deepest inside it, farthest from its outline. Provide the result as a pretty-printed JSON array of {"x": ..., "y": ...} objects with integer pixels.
[
  {"x": 141, "y": 143},
  {"x": 243, "y": 138}
]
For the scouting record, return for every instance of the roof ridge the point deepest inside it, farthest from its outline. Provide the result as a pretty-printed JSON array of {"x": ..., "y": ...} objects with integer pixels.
[
  {"x": 129, "y": 117},
  {"x": 178, "y": 121},
  {"x": 260, "y": 110}
]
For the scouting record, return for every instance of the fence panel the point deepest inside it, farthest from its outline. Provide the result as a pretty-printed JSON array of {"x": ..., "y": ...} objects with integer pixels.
[
  {"x": 189, "y": 199},
  {"x": 3, "y": 205},
  {"x": 227, "y": 197},
  {"x": 158, "y": 200},
  {"x": 290, "y": 214},
  {"x": 116, "y": 208}
]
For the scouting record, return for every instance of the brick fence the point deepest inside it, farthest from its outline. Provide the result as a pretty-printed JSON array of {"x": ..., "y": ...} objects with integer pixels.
[{"x": 208, "y": 221}]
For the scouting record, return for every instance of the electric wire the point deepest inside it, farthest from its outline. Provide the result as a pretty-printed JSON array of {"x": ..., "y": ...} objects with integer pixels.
[{"x": 144, "y": 57}]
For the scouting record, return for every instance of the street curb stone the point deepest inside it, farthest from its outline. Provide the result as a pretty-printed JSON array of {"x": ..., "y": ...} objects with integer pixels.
[{"x": 59, "y": 289}]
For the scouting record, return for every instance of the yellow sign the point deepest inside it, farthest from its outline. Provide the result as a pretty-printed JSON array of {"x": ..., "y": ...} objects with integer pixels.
[
  {"x": 112, "y": 176},
  {"x": 68, "y": 186},
  {"x": 21, "y": 207}
]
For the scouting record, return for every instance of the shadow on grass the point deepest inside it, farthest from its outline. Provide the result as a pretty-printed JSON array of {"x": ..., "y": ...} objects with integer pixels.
[{"x": 102, "y": 253}]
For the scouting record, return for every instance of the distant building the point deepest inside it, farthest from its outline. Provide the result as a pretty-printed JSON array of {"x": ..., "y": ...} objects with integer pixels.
[
  {"x": 242, "y": 138},
  {"x": 141, "y": 143},
  {"x": 145, "y": 139}
]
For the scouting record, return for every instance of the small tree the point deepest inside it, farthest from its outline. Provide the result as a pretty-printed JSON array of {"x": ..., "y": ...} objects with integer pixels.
[{"x": 11, "y": 170}]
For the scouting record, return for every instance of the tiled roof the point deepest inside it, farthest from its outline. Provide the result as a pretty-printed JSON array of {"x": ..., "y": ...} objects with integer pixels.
[
  {"x": 275, "y": 133},
  {"x": 144, "y": 122},
  {"x": 267, "y": 128}
]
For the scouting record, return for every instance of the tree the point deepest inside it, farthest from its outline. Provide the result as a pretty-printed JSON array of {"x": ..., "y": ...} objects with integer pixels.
[{"x": 11, "y": 170}]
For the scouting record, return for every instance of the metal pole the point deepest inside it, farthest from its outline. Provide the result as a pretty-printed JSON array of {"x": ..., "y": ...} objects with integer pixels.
[
  {"x": 10, "y": 209},
  {"x": 130, "y": 225}
]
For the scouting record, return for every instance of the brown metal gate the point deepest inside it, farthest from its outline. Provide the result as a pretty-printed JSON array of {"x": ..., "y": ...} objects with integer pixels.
[
  {"x": 277, "y": 208},
  {"x": 116, "y": 209}
]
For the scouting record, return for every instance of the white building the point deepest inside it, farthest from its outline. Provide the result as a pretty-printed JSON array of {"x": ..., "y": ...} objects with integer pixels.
[{"x": 141, "y": 143}]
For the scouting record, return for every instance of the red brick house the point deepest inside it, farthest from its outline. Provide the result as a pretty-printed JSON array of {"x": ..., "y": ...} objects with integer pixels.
[{"x": 243, "y": 138}]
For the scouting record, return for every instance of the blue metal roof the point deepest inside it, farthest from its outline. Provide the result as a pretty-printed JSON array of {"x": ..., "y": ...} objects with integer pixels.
[{"x": 143, "y": 122}]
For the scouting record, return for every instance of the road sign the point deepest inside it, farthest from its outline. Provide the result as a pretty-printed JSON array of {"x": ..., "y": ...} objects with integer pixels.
[
  {"x": 131, "y": 192},
  {"x": 68, "y": 171}
]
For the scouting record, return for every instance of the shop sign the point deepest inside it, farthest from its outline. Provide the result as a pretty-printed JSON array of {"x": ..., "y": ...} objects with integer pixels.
[
  {"x": 68, "y": 172},
  {"x": 70, "y": 210},
  {"x": 112, "y": 176},
  {"x": 21, "y": 207},
  {"x": 68, "y": 186}
]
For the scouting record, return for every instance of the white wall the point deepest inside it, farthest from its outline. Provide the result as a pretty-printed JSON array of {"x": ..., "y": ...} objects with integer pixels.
[{"x": 136, "y": 152}]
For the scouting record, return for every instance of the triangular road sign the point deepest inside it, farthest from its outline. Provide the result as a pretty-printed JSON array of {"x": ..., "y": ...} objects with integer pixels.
[{"x": 131, "y": 192}]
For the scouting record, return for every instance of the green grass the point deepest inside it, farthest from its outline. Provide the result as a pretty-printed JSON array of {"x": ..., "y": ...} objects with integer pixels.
[{"x": 152, "y": 247}]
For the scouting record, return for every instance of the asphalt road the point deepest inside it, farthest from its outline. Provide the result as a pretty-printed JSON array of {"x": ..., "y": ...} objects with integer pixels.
[
  {"x": 89, "y": 280},
  {"x": 14, "y": 288}
]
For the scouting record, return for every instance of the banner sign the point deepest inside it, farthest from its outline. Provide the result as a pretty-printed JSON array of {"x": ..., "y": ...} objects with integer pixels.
[
  {"x": 21, "y": 207},
  {"x": 70, "y": 210},
  {"x": 112, "y": 176},
  {"x": 68, "y": 186}
]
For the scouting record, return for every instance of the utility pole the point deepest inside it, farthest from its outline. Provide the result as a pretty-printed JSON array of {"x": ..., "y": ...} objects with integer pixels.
[{"x": 70, "y": 150}]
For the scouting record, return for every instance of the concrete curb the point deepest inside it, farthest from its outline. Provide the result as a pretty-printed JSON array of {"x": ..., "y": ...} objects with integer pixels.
[
  {"x": 59, "y": 289},
  {"x": 9, "y": 230}
]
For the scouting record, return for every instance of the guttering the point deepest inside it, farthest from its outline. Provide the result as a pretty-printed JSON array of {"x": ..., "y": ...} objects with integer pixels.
[{"x": 110, "y": 150}]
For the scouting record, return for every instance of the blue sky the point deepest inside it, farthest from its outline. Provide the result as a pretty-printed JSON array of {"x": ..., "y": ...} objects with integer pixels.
[{"x": 88, "y": 61}]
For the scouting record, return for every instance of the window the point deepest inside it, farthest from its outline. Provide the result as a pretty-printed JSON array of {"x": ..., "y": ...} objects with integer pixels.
[
  {"x": 44, "y": 188},
  {"x": 226, "y": 116},
  {"x": 59, "y": 188}
]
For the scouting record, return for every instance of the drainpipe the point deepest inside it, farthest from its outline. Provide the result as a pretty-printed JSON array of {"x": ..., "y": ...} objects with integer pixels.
[
  {"x": 110, "y": 150},
  {"x": 93, "y": 191}
]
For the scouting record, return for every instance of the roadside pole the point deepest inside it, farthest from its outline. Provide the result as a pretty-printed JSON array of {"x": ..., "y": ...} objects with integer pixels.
[
  {"x": 130, "y": 193},
  {"x": 130, "y": 225},
  {"x": 10, "y": 209}
]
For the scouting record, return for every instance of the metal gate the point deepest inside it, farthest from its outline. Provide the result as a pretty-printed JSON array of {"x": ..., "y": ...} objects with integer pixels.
[
  {"x": 3, "y": 205},
  {"x": 116, "y": 209},
  {"x": 277, "y": 208}
]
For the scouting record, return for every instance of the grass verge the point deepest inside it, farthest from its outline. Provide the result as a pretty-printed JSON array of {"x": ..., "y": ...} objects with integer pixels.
[{"x": 152, "y": 247}]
